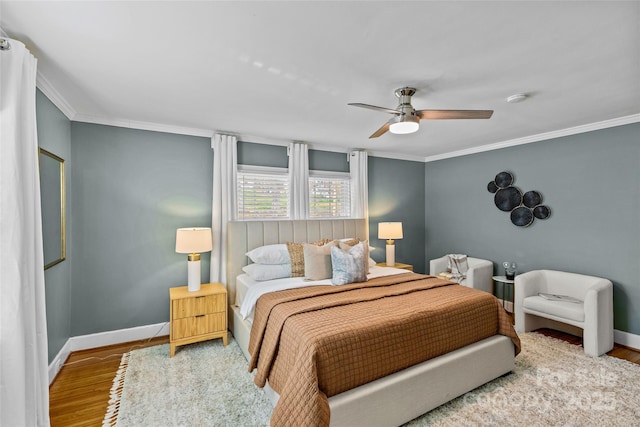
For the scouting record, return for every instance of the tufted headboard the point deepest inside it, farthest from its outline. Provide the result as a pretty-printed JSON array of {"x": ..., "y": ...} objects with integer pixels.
[{"x": 242, "y": 236}]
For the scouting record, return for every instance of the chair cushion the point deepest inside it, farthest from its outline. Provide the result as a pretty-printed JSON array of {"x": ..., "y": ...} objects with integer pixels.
[{"x": 566, "y": 310}]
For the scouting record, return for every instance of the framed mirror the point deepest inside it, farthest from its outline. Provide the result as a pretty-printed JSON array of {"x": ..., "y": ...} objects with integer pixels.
[{"x": 53, "y": 201}]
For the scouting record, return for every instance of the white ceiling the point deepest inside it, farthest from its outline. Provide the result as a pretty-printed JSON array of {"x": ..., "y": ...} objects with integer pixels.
[{"x": 285, "y": 71}]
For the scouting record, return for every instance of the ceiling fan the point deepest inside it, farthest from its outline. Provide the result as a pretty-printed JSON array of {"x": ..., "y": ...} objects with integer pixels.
[{"x": 406, "y": 119}]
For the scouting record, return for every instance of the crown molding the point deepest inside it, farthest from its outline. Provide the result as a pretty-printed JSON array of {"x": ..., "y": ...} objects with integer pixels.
[
  {"x": 64, "y": 106},
  {"x": 620, "y": 121},
  {"x": 396, "y": 156},
  {"x": 150, "y": 126},
  {"x": 259, "y": 139},
  {"x": 54, "y": 96},
  {"x": 315, "y": 146}
]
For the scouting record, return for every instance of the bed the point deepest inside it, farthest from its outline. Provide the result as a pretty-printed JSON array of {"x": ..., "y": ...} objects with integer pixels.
[{"x": 392, "y": 399}]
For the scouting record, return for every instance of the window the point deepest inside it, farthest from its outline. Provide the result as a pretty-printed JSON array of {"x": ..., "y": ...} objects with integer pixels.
[
  {"x": 263, "y": 192},
  {"x": 329, "y": 194}
]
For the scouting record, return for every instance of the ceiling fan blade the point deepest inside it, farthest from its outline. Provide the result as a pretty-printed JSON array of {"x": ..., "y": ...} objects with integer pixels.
[
  {"x": 381, "y": 131},
  {"x": 373, "y": 107},
  {"x": 453, "y": 114}
]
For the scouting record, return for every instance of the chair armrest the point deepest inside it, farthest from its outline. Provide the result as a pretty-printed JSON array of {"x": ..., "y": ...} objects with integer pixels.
[
  {"x": 599, "y": 296},
  {"x": 438, "y": 265},
  {"x": 598, "y": 318},
  {"x": 525, "y": 285},
  {"x": 479, "y": 275},
  {"x": 528, "y": 284}
]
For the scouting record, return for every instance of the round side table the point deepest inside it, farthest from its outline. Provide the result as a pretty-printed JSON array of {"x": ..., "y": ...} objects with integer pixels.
[{"x": 505, "y": 281}]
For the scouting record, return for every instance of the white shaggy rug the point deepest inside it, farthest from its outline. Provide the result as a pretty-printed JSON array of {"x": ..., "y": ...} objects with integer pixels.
[{"x": 206, "y": 384}]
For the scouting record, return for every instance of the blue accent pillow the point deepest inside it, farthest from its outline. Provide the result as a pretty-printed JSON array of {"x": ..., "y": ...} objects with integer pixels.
[{"x": 348, "y": 266}]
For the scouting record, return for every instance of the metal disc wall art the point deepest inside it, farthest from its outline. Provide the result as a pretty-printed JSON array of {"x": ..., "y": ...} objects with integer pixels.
[
  {"x": 508, "y": 198},
  {"x": 531, "y": 199},
  {"x": 522, "y": 216},
  {"x": 541, "y": 212},
  {"x": 504, "y": 179}
]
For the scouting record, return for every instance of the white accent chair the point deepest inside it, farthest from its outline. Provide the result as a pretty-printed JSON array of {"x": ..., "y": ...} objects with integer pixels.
[
  {"x": 592, "y": 318},
  {"x": 478, "y": 276}
]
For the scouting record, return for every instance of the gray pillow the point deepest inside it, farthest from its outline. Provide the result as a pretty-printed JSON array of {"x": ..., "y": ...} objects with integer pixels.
[{"x": 348, "y": 266}]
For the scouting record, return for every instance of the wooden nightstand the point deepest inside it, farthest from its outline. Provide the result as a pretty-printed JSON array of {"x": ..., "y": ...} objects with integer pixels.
[
  {"x": 397, "y": 265},
  {"x": 197, "y": 316}
]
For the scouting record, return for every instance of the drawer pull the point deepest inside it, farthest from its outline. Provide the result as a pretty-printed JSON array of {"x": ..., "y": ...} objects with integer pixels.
[
  {"x": 200, "y": 315},
  {"x": 200, "y": 297}
]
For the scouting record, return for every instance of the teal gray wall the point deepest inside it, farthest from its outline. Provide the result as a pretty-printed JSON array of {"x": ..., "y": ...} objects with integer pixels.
[
  {"x": 591, "y": 182},
  {"x": 250, "y": 153},
  {"x": 254, "y": 154},
  {"x": 54, "y": 135},
  {"x": 396, "y": 194},
  {"x": 131, "y": 190},
  {"x": 328, "y": 161}
]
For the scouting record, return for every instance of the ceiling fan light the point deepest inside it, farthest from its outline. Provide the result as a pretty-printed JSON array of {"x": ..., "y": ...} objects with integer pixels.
[{"x": 404, "y": 125}]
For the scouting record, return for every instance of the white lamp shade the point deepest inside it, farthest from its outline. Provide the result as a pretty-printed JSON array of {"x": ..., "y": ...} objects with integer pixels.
[
  {"x": 390, "y": 230},
  {"x": 193, "y": 240}
]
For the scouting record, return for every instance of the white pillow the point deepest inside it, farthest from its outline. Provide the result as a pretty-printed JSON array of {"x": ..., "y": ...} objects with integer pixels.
[
  {"x": 262, "y": 272},
  {"x": 270, "y": 254},
  {"x": 372, "y": 262}
]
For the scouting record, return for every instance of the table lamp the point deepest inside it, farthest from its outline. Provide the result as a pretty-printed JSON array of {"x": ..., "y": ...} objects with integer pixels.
[
  {"x": 193, "y": 241},
  {"x": 390, "y": 231}
]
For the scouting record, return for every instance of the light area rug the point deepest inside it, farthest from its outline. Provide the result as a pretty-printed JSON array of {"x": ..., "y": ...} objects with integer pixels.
[{"x": 205, "y": 384}]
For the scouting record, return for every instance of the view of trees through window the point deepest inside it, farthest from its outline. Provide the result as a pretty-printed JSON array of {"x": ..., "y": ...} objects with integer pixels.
[
  {"x": 263, "y": 195},
  {"x": 329, "y": 197}
]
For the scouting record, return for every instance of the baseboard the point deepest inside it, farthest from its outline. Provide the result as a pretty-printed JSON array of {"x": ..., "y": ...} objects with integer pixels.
[
  {"x": 627, "y": 339},
  {"x": 101, "y": 339},
  {"x": 58, "y": 361}
]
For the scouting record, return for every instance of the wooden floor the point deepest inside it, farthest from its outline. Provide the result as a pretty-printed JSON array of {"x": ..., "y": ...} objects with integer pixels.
[{"x": 80, "y": 393}]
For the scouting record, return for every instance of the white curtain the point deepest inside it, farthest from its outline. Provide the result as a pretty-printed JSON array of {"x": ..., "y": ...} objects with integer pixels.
[
  {"x": 24, "y": 379},
  {"x": 298, "y": 180},
  {"x": 359, "y": 184},
  {"x": 225, "y": 166}
]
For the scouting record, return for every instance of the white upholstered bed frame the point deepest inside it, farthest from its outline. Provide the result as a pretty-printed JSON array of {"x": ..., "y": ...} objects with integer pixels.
[{"x": 388, "y": 401}]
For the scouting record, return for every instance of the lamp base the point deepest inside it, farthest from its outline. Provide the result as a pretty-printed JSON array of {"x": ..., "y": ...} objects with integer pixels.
[
  {"x": 193, "y": 271},
  {"x": 391, "y": 255}
]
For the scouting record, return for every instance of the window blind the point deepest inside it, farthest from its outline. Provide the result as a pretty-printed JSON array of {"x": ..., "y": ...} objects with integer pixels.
[
  {"x": 329, "y": 196},
  {"x": 263, "y": 195}
]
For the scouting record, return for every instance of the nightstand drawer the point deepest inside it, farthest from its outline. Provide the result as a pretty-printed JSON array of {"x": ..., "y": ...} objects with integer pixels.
[
  {"x": 196, "y": 306},
  {"x": 198, "y": 325}
]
